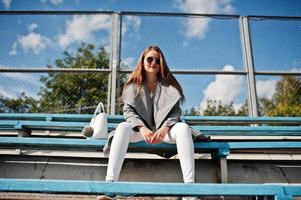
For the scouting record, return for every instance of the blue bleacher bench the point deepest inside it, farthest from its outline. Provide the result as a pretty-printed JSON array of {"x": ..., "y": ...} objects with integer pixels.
[
  {"x": 277, "y": 191},
  {"x": 208, "y": 125}
]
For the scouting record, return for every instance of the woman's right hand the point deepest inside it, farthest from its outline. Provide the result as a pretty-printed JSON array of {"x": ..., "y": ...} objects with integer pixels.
[{"x": 146, "y": 134}]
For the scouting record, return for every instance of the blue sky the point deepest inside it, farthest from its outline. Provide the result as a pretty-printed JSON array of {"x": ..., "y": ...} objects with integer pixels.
[{"x": 34, "y": 41}]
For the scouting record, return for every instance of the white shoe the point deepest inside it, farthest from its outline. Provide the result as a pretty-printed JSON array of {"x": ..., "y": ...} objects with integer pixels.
[
  {"x": 190, "y": 198},
  {"x": 104, "y": 197}
]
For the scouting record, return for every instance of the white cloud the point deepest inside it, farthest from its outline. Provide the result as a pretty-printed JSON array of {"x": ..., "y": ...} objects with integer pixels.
[
  {"x": 132, "y": 22},
  {"x": 33, "y": 41},
  {"x": 56, "y": 2},
  {"x": 266, "y": 88},
  {"x": 7, "y": 3},
  {"x": 128, "y": 62},
  {"x": 32, "y": 27},
  {"x": 225, "y": 88},
  {"x": 198, "y": 27},
  {"x": 81, "y": 28}
]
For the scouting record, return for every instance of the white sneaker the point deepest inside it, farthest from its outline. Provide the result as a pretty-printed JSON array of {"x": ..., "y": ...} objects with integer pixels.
[
  {"x": 190, "y": 198},
  {"x": 104, "y": 197}
]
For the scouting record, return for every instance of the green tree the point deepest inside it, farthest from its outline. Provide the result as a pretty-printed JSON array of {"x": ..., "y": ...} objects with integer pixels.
[
  {"x": 22, "y": 104},
  {"x": 192, "y": 112},
  {"x": 286, "y": 100},
  {"x": 75, "y": 92},
  {"x": 217, "y": 108}
]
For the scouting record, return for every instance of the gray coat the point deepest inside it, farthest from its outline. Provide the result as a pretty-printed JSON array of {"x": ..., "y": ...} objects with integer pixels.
[
  {"x": 140, "y": 110},
  {"x": 166, "y": 109}
]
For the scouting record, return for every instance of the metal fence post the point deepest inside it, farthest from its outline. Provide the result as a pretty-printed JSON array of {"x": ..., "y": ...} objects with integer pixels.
[
  {"x": 248, "y": 60},
  {"x": 114, "y": 60}
]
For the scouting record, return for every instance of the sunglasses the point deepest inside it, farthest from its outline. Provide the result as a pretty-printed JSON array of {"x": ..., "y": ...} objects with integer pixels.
[{"x": 149, "y": 60}]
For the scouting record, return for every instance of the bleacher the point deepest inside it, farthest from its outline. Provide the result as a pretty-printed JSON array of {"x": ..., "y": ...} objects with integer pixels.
[{"x": 229, "y": 136}]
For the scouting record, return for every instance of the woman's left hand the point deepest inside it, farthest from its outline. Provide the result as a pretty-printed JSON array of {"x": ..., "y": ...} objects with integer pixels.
[{"x": 159, "y": 135}]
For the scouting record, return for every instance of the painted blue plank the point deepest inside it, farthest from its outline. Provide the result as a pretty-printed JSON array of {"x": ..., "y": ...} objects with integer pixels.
[
  {"x": 48, "y": 125},
  {"x": 265, "y": 145},
  {"x": 87, "y": 117},
  {"x": 54, "y": 117},
  {"x": 138, "y": 188},
  {"x": 207, "y": 130},
  {"x": 47, "y": 142},
  {"x": 243, "y": 119},
  {"x": 8, "y": 123},
  {"x": 98, "y": 144},
  {"x": 292, "y": 190},
  {"x": 250, "y": 130}
]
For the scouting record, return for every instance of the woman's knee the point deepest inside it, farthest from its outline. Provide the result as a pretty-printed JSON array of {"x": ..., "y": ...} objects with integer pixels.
[
  {"x": 182, "y": 126},
  {"x": 182, "y": 129},
  {"x": 123, "y": 128}
]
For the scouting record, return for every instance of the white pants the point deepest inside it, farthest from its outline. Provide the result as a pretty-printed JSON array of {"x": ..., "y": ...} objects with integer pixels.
[{"x": 180, "y": 134}]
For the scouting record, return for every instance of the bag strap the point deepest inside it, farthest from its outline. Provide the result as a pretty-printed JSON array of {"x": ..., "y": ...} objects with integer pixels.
[{"x": 98, "y": 109}]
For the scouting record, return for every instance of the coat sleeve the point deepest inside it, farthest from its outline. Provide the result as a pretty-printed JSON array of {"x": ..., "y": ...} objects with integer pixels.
[
  {"x": 173, "y": 116},
  {"x": 132, "y": 117}
]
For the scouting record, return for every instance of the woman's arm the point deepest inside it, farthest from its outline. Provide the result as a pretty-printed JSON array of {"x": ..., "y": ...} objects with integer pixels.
[
  {"x": 172, "y": 118},
  {"x": 132, "y": 117}
]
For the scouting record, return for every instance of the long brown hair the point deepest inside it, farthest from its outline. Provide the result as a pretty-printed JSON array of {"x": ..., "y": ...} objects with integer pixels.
[{"x": 138, "y": 76}]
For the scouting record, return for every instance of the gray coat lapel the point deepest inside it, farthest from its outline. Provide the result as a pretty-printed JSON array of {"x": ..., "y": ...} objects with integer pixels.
[
  {"x": 136, "y": 101},
  {"x": 165, "y": 100}
]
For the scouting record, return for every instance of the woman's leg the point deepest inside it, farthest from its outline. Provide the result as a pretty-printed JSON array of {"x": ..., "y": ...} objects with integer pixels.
[
  {"x": 122, "y": 136},
  {"x": 180, "y": 134}
]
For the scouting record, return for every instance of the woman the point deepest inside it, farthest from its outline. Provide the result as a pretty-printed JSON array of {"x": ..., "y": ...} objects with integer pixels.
[{"x": 152, "y": 98}]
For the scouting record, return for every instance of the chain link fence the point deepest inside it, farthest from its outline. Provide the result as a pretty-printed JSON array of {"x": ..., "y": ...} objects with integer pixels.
[
  {"x": 54, "y": 62},
  {"x": 276, "y": 46},
  {"x": 66, "y": 62}
]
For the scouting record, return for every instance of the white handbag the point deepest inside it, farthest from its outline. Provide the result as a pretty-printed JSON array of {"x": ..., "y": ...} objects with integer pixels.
[{"x": 98, "y": 123}]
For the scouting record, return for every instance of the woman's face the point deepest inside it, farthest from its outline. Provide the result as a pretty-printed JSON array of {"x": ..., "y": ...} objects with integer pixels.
[{"x": 151, "y": 62}]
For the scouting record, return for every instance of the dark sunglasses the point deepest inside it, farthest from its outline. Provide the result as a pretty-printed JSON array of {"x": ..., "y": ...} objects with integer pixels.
[{"x": 149, "y": 60}]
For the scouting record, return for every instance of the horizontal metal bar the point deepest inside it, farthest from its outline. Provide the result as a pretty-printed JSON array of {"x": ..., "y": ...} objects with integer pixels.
[
  {"x": 65, "y": 12},
  {"x": 273, "y": 17},
  {"x": 214, "y": 72},
  {"x": 199, "y": 72},
  {"x": 275, "y": 73},
  {"x": 51, "y": 70},
  {"x": 180, "y": 71},
  {"x": 51, "y": 12},
  {"x": 179, "y": 14}
]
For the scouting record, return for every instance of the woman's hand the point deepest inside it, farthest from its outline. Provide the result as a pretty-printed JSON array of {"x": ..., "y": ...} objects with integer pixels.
[
  {"x": 159, "y": 135},
  {"x": 146, "y": 134}
]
